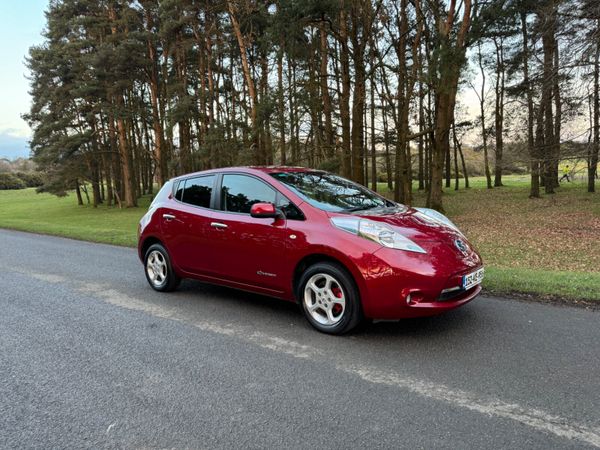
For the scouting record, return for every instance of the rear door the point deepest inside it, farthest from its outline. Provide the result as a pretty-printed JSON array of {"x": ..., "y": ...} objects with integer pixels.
[
  {"x": 186, "y": 225},
  {"x": 248, "y": 250}
]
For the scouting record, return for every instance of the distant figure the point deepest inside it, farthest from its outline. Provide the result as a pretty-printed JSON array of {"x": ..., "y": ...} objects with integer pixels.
[{"x": 566, "y": 172}]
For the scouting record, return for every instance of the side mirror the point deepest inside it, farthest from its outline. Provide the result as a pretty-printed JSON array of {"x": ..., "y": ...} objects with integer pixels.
[{"x": 264, "y": 211}]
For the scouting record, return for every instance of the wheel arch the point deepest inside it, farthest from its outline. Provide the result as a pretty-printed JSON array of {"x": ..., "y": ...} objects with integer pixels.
[
  {"x": 145, "y": 245},
  {"x": 315, "y": 258}
]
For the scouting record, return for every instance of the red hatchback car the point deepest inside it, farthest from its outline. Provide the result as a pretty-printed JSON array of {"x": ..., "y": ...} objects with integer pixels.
[{"x": 340, "y": 250}]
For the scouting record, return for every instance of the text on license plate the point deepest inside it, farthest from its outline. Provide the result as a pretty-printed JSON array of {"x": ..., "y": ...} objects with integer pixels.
[{"x": 472, "y": 279}]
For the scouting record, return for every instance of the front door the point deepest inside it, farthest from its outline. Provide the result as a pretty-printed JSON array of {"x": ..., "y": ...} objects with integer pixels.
[{"x": 248, "y": 250}]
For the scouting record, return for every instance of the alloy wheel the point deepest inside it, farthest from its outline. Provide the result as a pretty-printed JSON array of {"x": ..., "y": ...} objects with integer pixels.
[
  {"x": 324, "y": 299},
  {"x": 156, "y": 268}
]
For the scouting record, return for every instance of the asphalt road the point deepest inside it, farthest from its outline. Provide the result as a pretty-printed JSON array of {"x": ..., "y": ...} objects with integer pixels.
[{"x": 90, "y": 356}]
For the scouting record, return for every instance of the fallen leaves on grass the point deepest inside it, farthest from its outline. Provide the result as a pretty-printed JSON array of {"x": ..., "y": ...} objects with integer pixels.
[{"x": 559, "y": 232}]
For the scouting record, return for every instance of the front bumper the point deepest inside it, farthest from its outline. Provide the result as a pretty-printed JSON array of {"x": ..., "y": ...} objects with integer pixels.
[{"x": 404, "y": 285}]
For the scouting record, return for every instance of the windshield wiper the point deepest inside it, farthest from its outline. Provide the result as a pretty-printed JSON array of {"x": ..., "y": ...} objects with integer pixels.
[
  {"x": 364, "y": 208},
  {"x": 360, "y": 208}
]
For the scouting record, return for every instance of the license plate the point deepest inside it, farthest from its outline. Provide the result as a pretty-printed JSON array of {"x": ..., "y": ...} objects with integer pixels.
[{"x": 472, "y": 279}]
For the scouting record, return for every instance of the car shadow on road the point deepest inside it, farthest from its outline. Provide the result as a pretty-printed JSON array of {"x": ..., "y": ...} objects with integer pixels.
[
  {"x": 445, "y": 323},
  {"x": 257, "y": 305},
  {"x": 230, "y": 297}
]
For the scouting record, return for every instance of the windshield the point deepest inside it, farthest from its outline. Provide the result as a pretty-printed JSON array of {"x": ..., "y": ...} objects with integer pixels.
[{"x": 330, "y": 192}]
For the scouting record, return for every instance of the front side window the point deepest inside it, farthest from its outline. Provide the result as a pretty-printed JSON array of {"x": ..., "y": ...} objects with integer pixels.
[
  {"x": 330, "y": 192},
  {"x": 240, "y": 192},
  {"x": 196, "y": 191}
]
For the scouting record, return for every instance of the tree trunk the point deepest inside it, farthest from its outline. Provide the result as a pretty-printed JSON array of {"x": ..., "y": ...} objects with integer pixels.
[
  {"x": 455, "y": 142},
  {"x": 293, "y": 121},
  {"x": 159, "y": 156},
  {"x": 93, "y": 164},
  {"x": 557, "y": 116},
  {"x": 373, "y": 146},
  {"x": 312, "y": 88},
  {"x": 329, "y": 139},
  {"x": 452, "y": 57},
  {"x": 358, "y": 105},
  {"x": 247, "y": 74},
  {"x": 548, "y": 45},
  {"x": 535, "y": 164},
  {"x": 484, "y": 136},
  {"x": 499, "y": 111},
  {"x": 443, "y": 121},
  {"x": 421, "y": 173},
  {"x": 345, "y": 96},
  {"x": 78, "y": 192},
  {"x": 265, "y": 155},
  {"x": 595, "y": 149},
  {"x": 464, "y": 166},
  {"x": 130, "y": 200},
  {"x": 447, "y": 166},
  {"x": 109, "y": 182},
  {"x": 281, "y": 104},
  {"x": 388, "y": 159}
]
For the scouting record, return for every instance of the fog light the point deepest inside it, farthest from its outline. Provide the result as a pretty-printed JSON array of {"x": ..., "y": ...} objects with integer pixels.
[{"x": 408, "y": 299}]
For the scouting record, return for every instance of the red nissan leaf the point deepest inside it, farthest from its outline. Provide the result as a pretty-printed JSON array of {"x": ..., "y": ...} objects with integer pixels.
[{"x": 341, "y": 251}]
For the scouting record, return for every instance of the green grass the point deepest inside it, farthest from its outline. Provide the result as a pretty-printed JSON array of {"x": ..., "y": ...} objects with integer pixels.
[
  {"x": 44, "y": 213},
  {"x": 550, "y": 284},
  {"x": 546, "y": 247}
]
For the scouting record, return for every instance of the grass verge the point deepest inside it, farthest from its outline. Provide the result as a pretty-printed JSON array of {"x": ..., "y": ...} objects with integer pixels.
[
  {"x": 26, "y": 210},
  {"x": 548, "y": 285}
]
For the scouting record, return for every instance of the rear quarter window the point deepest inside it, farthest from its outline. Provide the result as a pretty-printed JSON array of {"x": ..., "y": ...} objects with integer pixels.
[{"x": 163, "y": 193}]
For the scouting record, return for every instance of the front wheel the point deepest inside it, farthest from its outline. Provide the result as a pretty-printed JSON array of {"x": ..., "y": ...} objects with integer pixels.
[
  {"x": 329, "y": 298},
  {"x": 159, "y": 271}
]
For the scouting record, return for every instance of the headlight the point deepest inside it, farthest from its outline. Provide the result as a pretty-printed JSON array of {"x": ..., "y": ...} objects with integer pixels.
[
  {"x": 376, "y": 232},
  {"x": 437, "y": 217}
]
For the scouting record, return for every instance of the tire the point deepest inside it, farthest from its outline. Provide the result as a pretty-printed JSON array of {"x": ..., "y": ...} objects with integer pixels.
[
  {"x": 159, "y": 270},
  {"x": 329, "y": 298}
]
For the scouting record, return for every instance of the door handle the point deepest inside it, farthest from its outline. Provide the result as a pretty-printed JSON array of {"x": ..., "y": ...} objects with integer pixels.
[
  {"x": 168, "y": 216},
  {"x": 218, "y": 225}
]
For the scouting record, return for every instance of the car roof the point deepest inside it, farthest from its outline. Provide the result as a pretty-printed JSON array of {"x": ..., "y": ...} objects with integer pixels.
[
  {"x": 277, "y": 169},
  {"x": 250, "y": 169}
]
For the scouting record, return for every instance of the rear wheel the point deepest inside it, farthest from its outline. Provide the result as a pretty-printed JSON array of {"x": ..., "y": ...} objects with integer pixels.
[
  {"x": 159, "y": 271},
  {"x": 329, "y": 298}
]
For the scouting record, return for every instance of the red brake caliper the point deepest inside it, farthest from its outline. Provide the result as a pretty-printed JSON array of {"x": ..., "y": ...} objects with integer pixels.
[{"x": 337, "y": 308}]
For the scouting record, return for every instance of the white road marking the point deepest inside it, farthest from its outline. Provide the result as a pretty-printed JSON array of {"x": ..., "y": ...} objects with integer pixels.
[
  {"x": 249, "y": 334},
  {"x": 110, "y": 427},
  {"x": 47, "y": 277},
  {"x": 535, "y": 418},
  {"x": 54, "y": 279},
  {"x": 532, "y": 417}
]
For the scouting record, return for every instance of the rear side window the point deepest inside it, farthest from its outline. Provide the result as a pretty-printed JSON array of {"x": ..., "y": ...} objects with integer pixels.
[
  {"x": 179, "y": 190},
  {"x": 240, "y": 192},
  {"x": 196, "y": 191}
]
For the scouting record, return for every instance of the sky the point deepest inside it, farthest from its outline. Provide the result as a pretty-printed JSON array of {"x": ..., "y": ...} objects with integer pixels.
[{"x": 21, "y": 24}]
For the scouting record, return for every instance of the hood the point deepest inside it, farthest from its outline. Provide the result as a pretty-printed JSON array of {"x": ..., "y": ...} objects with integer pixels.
[
  {"x": 440, "y": 240},
  {"x": 413, "y": 224},
  {"x": 432, "y": 235}
]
